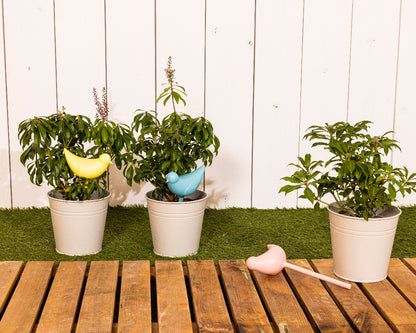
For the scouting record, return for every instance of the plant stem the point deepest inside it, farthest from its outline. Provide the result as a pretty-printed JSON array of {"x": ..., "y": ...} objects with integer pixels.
[{"x": 173, "y": 100}]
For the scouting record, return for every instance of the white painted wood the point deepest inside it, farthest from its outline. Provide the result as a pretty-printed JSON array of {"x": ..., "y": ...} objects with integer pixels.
[
  {"x": 80, "y": 52},
  {"x": 373, "y": 62},
  {"x": 5, "y": 198},
  {"x": 130, "y": 58},
  {"x": 326, "y": 48},
  {"x": 277, "y": 98},
  {"x": 326, "y": 51},
  {"x": 223, "y": 85},
  {"x": 30, "y": 81},
  {"x": 181, "y": 36},
  {"x": 130, "y": 76},
  {"x": 229, "y": 52},
  {"x": 406, "y": 103}
]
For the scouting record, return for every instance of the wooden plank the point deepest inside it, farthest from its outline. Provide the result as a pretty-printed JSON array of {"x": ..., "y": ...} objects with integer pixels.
[
  {"x": 6, "y": 198},
  {"x": 326, "y": 43},
  {"x": 403, "y": 279},
  {"x": 9, "y": 272},
  {"x": 229, "y": 99},
  {"x": 318, "y": 304},
  {"x": 130, "y": 78},
  {"x": 135, "y": 313},
  {"x": 210, "y": 309},
  {"x": 353, "y": 302},
  {"x": 175, "y": 33},
  {"x": 97, "y": 308},
  {"x": 24, "y": 306},
  {"x": 405, "y": 111},
  {"x": 281, "y": 303},
  {"x": 373, "y": 51},
  {"x": 393, "y": 307},
  {"x": 247, "y": 310},
  {"x": 30, "y": 69},
  {"x": 277, "y": 98},
  {"x": 411, "y": 263},
  {"x": 80, "y": 53},
  {"x": 172, "y": 299},
  {"x": 59, "y": 312}
]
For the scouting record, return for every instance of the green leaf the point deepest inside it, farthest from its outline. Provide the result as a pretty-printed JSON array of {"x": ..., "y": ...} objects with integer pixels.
[
  {"x": 309, "y": 195},
  {"x": 392, "y": 192},
  {"x": 350, "y": 166},
  {"x": 289, "y": 188}
]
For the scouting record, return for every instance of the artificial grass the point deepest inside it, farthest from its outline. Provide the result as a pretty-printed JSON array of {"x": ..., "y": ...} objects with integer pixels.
[{"x": 234, "y": 233}]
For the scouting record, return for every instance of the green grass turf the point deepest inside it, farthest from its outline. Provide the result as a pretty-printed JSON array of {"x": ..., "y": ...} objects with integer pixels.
[{"x": 234, "y": 233}]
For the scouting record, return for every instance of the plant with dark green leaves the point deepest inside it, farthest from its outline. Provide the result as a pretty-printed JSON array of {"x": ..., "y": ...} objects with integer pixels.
[
  {"x": 44, "y": 138},
  {"x": 175, "y": 143},
  {"x": 356, "y": 175}
]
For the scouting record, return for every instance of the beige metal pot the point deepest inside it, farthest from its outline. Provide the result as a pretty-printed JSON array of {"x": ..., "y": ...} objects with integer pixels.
[
  {"x": 176, "y": 226},
  {"x": 78, "y": 226},
  {"x": 362, "y": 249}
]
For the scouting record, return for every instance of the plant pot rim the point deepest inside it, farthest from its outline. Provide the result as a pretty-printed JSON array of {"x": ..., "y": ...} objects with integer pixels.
[
  {"x": 200, "y": 196},
  {"x": 384, "y": 214},
  {"x": 51, "y": 194}
]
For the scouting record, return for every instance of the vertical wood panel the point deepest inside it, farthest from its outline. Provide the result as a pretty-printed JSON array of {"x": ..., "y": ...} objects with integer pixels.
[
  {"x": 5, "y": 199},
  {"x": 180, "y": 34},
  {"x": 373, "y": 62},
  {"x": 325, "y": 63},
  {"x": 326, "y": 52},
  {"x": 406, "y": 103},
  {"x": 276, "y": 107},
  {"x": 30, "y": 81},
  {"x": 180, "y": 29},
  {"x": 131, "y": 77},
  {"x": 229, "y": 91},
  {"x": 80, "y": 51}
]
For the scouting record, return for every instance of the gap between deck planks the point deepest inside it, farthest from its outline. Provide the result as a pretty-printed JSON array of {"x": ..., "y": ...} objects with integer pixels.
[{"x": 199, "y": 297}]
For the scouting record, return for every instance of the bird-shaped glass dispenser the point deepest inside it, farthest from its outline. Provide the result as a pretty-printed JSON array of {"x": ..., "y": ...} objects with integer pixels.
[
  {"x": 87, "y": 167},
  {"x": 185, "y": 184}
]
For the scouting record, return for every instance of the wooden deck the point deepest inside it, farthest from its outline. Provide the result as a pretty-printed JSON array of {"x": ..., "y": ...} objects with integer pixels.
[{"x": 200, "y": 297}]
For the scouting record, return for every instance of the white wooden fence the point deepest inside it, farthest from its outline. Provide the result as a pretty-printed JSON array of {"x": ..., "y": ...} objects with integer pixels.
[{"x": 261, "y": 71}]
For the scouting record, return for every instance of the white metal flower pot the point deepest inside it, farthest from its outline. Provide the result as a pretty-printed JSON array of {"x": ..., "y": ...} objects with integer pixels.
[
  {"x": 78, "y": 226},
  {"x": 176, "y": 226},
  {"x": 361, "y": 249}
]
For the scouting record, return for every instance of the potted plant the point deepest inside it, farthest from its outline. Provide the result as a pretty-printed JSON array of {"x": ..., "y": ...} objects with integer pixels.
[
  {"x": 359, "y": 187},
  {"x": 78, "y": 205},
  {"x": 177, "y": 143}
]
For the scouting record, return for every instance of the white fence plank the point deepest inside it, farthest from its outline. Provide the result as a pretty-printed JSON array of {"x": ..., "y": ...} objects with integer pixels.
[
  {"x": 131, "y": 77},
  {"x": 373, "y": 62},
  {"x": 5, "y": 198},
  {"x": 326, "y": 50},
  {"x": 277, "y": 98},
  {"x": 30, "y": 81},
  {"x": 406, "y": 104},
  {"x": 80, "y": 52},
  {"x": 230, "y": 44},
  {"x": 181, "y": 36}
]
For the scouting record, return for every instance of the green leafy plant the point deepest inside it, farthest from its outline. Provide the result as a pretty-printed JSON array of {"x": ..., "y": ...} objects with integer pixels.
[
  {"x": 175, "y": 143},
  {"x": 356, "y": 175},
  {"x": 44, "y": 138}
]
